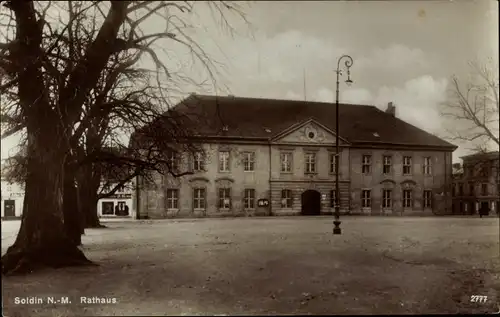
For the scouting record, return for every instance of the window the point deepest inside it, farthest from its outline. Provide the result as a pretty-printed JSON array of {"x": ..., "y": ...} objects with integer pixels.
[
  {"x": 310, "y": 163},
  {"x": 334, "y": 159},
  {"x": 333, "y": 195},
  {"x": 172, "y": 161},
  {"x": 248, "y": 161},
  {"x": 484, "y": 189},
  {"x": 406, "y": 165},
  {"x": 286, "y": 162},
  {"x": 120, "y": 189},
  {"x": 108, "y": 208},
  {"x": 286, "y": 198},
  {"x": 199, "y": 198},
  {"x": 386, "y": 198},
  {"x": 224, "y": 161},
  {"x": 387, "y": 164},
  {"x": 427, "y": 166},
  {"x": 366, "y": 163},
  {"x": 366, "y": 201},
  {"x": 407, "y": 198},
  {"x": 427, "y": 199},
  {"x": 453, "y": 190},
  {"x": 460, "y": 189},
  {"x": 224, "y": 198},
  {"x": 471, "y": 189},
  {"x": 249, "y": 199},
  {"x": 198, "y": 162},
  {"x": 172, "y": 199}
]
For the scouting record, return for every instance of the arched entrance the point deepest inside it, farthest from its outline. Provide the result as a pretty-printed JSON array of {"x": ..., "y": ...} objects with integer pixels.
[{"x": 311, "y": 202}]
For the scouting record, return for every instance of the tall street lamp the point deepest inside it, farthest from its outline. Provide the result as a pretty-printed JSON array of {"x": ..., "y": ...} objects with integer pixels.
[{"x": 348, "y": 64}]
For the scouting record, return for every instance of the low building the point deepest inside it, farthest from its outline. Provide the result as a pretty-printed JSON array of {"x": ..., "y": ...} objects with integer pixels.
[
  {"x": 476, "y": 184},
  {"x": 118, "y": 204},
  {"x": 12, "y": 200},
  {"x": 278, "y": 157}
]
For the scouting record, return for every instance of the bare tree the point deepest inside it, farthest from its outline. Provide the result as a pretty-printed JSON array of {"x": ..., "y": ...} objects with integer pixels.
[
  {"x": 48, "y": 78},
  {"x": 474, "y": 108}
]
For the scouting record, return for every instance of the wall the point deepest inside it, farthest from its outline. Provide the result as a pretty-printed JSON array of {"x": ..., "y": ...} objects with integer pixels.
[
  {"x": 441, "y": 170},
  {"x": 12, "y": 192}
]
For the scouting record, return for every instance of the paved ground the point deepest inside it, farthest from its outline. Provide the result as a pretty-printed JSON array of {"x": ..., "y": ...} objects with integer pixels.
[{"x": 379, "y": 265}]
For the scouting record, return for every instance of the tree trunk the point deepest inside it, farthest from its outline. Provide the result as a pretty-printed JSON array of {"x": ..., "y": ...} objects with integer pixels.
[
  {"x": 88, "y": 192},
  {"x": 42, "y": 240},
  {"x": 72, "y": 220}
]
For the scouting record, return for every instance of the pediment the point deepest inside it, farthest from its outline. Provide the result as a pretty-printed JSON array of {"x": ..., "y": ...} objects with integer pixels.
[{"x": 309, "y": 132}]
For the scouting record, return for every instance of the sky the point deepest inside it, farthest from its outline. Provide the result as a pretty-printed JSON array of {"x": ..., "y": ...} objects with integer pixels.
[{"x": 404, "y": 52}]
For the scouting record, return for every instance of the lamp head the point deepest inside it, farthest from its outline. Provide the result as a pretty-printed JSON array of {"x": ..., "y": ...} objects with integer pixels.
[{"x": 348, "y": 81}]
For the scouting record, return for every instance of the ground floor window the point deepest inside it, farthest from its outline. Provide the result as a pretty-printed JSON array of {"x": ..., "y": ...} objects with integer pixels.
[
  {"x": 249, "y": 198},
  {"x": 407, "y": 198},
  {"x": 286, "y": 198},
  {"x": 199, "y": 197},
  {"x": 386, "y": 198},
  {"x": 224, "y": 198},
  {"x": 172, "y": 198},
  {"x": 108, "y": 208},
  {"x": 366, "y": 201},
  {"x": 427, "y": 199}
]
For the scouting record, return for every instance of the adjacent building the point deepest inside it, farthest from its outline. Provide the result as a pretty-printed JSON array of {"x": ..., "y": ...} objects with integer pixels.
[
  {"x": 278, "y": 157},
  {"x": 119, "y": 204},
  {"x": 12, "y": 199},
  {"x": 476, "y": 184}
]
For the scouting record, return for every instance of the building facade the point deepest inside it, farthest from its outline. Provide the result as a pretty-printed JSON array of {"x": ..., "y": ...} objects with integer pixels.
[
  {"x": 120, "y": 204},
  {"x": 12, "y": 200},
  {"x": 275, "y": 157},
  {"x": 476, "y": 184}
]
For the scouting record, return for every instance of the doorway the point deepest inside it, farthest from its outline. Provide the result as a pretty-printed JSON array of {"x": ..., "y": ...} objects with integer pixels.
[
  {"x": 311, "y": 203},
  {"x": 9, "y": 207},
  {"x": 486, "y": 207}
]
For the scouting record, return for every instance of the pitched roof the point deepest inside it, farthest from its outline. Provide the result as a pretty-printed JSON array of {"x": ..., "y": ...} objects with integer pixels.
[{"x": 264, "y": 118}]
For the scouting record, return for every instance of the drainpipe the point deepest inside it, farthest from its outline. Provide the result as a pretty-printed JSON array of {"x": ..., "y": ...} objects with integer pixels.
[{"x": 270, "y": 169}]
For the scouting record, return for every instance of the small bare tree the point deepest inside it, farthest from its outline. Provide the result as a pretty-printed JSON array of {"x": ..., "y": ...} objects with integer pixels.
[{"x": 473, "y": 108}]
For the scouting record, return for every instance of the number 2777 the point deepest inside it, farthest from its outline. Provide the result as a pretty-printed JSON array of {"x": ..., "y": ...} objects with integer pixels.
[{"x": 478, "y": 299}]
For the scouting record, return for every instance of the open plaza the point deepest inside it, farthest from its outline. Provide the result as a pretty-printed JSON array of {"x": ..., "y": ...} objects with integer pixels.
[{"x": 270, "y": 265}]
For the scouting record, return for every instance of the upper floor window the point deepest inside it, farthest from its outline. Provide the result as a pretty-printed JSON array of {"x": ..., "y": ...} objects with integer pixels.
[
  {"x": 224, "y": 198},
  {"x": 249, "y": 199},
  {"x": 199, "y": 198},
  {"x": 387, "y": 164},
  {"x": 286, "y": 162},
  {"x": 460, "y": 189},
  {"x": 173, "y": 161},
  {"x": 198, "y": 162},
  {"x": 366, "y": 200},
  {"x": 407, "y": 165},
  {"x": 407, "y": 198},
  {"x": 172, "y": 199},
  {"x": 471, "y": 189},
  {"x": 484, "y": 189},
  {"x": 310, "y": 161},
  {"x": 224, "y": 161},
  {"x": 366, "y": 164},
  {"x": 427, "y": 199},
  {"x": 334, "y": 159},
  {"x": 249, "y": 161},
  {"x": 386, "y": 198},
  {"x": 427, "y": 165},
  {"x": 286, "y": 198},
  {"x": 453, "y": 190}
]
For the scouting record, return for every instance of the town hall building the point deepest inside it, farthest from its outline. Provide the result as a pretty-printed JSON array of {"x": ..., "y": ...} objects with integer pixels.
[{"x": 277, "y": 157}]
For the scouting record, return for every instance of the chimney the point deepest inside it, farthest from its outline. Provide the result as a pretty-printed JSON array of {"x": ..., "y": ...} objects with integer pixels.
[{"x": 391, "y": 109}]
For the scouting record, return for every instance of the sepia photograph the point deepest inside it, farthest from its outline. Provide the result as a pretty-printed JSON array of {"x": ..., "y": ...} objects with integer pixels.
[{"x": 220, "y": 158}]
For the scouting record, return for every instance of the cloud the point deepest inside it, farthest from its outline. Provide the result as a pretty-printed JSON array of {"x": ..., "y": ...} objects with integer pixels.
[
  {"x": 416, "y": 101},
  {"x": 394, "y": 57}
]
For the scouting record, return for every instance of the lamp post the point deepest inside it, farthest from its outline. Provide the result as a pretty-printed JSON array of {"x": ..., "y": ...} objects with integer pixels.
[{"x": 348, "y": 63}]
